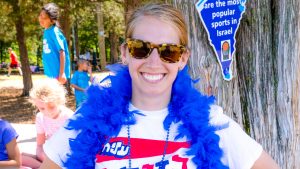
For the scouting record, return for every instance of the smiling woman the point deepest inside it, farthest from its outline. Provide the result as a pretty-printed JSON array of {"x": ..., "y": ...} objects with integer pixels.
[
  {"x": 151, "y": 101},
  {"x": 153, "y": 76}
]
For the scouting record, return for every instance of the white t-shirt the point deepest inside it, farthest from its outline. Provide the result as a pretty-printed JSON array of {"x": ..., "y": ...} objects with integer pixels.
[
  {"x": 48, "y": 125},
  {"x": 148, "y": 141}
]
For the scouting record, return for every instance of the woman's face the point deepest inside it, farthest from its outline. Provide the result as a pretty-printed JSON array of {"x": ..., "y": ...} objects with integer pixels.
[
  {"x": 151, "y": 77},
  {"x": 48, "y": 109},
  {"x": 45, "y": 20}
]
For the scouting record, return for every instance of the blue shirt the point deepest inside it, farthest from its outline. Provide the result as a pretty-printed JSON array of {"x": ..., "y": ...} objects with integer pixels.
[
  {"x": 80, "y": 79},
  {"x": 53, "y": 42},
  {"x": 7, "y": 134}
]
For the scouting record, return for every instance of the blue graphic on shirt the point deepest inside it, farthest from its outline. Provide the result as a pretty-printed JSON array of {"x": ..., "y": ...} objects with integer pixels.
[
  {"x": 221, "y": 19},
  {"x": 162, "y": 164},
  {"x": 53, "y": 42},
  {"x": 158, "y": 165},
  {"x": 116, "y": 149}
]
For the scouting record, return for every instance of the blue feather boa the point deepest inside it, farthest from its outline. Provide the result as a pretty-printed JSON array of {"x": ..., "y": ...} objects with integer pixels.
[{"x": 106, "y": 111}]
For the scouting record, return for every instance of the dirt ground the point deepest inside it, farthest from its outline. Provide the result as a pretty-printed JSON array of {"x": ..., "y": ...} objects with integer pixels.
[{"x": 15, "y": 108}]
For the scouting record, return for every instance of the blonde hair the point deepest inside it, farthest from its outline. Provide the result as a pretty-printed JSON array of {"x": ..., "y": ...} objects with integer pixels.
[
  {"x": 164, "y": 12},
  {"x": 49, "y": 91}
]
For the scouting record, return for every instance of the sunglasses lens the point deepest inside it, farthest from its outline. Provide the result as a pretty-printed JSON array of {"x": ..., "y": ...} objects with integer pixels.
[
  {"x": 138, "y": 49},
  {"x": 170, "y": 53}
]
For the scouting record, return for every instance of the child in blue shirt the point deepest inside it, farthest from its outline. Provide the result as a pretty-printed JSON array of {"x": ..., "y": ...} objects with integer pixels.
[
  {"x": 9, "y": 151},
  {"x": 56, "y": 59},
  {"x": 80, "y": 80}
]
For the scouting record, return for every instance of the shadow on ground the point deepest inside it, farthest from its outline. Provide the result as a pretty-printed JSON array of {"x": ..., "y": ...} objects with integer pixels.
[{"x": 17, "y": 109}]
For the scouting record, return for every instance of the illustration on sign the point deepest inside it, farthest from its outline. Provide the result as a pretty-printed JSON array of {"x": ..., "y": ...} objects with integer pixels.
[{"x": 221, "y": 19}]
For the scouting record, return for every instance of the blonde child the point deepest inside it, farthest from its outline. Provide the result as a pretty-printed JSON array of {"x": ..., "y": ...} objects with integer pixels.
[
  {"x": 80, "y": 80},
  {"x": 49, "y": 97}
]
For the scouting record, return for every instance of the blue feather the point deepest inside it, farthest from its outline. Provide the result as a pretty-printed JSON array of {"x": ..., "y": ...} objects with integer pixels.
[{"x": 106, "y": 111}]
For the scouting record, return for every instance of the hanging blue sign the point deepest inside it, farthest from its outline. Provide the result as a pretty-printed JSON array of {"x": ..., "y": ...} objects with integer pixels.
[{"x": 221, "y": 19}]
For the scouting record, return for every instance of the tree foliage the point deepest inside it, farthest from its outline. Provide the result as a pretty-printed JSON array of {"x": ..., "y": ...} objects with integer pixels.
[
  {"x": 81, "y": 12},
  {"x": 114, "y": 21},
  {"x": 6, "y": 32}
]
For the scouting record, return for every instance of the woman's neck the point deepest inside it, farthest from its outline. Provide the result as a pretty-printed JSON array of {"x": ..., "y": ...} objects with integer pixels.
[{"x": 150, "y": 103}]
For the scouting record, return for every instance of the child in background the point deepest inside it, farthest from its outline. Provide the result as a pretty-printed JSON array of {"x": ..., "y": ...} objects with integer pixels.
[
  {"x": 9, "y": 151},
  {"x": 80, "y": 80},
  {"x": 14, "y": 63},
  {"x": 56, "y": 59},
  {"x": 49, "y": 97}
]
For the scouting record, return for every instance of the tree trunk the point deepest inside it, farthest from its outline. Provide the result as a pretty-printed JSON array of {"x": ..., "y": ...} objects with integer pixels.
[
  {"x": 76, "y": 39},
  {"x": 114, "y": 44},
  {"x": 101, "y": 35},
  {"x": 269, "y": 78},
  {"x": 65, "y": 26},
  {"x": 65, "y": 22},
  {"x": 1, "y": 52},
  {"x": 19, "y": 24},
  {"x": 264, "y": 95},
  {"x": 39, "y": 55},
  {"x": 130, "y": 5}
]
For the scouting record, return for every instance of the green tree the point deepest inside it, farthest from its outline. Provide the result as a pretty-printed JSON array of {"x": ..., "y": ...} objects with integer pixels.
[
  {"x": 7, "y": 34},
  {"x": 87, "y": 27},
  {"x": 114, "y": 26},
  {"x": 18, "y": 9}
]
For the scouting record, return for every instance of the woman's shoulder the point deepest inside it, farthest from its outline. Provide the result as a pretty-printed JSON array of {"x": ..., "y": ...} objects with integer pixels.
[
  {"x": 217, "y": 116},
  {"x": 239, "y": 149}
]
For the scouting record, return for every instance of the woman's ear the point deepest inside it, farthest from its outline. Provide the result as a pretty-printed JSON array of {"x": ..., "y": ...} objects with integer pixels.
[
  {"x": 123, "y": 50},
  {"x": 184, "y": 59}
]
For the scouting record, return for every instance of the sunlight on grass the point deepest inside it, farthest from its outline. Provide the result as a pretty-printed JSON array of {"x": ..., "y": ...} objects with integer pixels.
[{"x": 17, "y": 77}]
